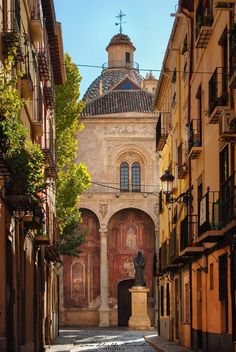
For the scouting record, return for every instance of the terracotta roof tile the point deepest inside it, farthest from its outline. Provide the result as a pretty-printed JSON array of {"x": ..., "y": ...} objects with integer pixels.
[{"x": 119, "y": 101}]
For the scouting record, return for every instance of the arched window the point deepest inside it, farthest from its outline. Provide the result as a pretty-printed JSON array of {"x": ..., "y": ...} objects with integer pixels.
[
  {"x": 124, "y": 177},
  {"x": 136, "y": 184}
]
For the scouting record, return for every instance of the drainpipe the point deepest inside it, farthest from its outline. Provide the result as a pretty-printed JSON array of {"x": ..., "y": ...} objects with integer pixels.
[{"x": 189, "y": 160}]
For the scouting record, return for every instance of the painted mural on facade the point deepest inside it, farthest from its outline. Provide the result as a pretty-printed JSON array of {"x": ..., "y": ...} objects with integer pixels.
[
  {"x": 129, "y": 231},
  {"x": 82, "y": 275}
]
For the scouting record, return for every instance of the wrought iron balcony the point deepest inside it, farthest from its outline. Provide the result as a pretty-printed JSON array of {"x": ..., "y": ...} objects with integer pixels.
[
  {"x": 37, "y": 123},
  {"x": 209, "y": 219},
  {"x": 195, "y": 139},
  {"x": 16, "y": 198},
  {"x": 174, "y": 249},
  {"x": 48, "y": 148},
  {"x": 12, "y": 33},
  {"x": 49, "y": 98},
  {"x": 225, "y": 5},
  {"x": 228, "y": 202},
  {"x": 203, "y": 30},
  {"x": 44, "y": 59},
  {"x": 232, "y": 73},
  {"x": 182, "y": 160},
  {"x": 218, "y": 94},
  {"x": 161, "y": 132},
  {"x": 188, "y": 237}
]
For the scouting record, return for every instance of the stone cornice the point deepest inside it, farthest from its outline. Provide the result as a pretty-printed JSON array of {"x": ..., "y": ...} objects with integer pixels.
[{"x": 121, "y": 116}]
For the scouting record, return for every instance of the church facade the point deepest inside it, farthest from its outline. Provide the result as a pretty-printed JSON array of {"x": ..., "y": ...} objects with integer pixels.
[{"x": 120, "y": 211}]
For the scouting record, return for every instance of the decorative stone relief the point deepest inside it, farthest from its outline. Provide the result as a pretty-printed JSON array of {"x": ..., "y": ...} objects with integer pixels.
[
  {"x": 103, "y": 209},
  {"x": 96, "y": 303},
  {"x": 129, "y": 267},
  {"x": 129, "y": 129},
  {"x": 131, "y": 238},
  {"x": 156, "y": 208}
]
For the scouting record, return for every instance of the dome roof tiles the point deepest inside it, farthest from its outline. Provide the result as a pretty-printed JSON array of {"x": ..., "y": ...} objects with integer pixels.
[
  {"x": 119, "y": 101},
  {"x": 108, "y": 79}
]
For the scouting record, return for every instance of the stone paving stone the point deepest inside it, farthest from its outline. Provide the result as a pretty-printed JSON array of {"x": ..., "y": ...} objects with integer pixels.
[
  {"x": 101, "y": 340},
  {"x": 163, "y": 345}
]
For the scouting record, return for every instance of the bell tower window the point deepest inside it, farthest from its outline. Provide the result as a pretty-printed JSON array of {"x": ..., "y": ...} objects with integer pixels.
[{"x": 127, "y": 58}]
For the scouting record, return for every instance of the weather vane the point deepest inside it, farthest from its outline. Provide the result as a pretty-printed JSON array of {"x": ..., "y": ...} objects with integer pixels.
[{"x": 120, "y": 16}]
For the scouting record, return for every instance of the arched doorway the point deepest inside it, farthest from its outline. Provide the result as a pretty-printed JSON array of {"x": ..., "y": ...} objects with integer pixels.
[
  {"x": 124, "y": 301},
  {"x": 129, "y": 231}
]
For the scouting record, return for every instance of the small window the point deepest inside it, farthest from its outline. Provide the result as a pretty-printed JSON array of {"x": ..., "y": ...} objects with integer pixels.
[
  {"x": 223, "y": 276},
  {"x": 124, "y": 177},
  {"x": 136, "y": 187},
  {"x": 127, "y": 58}
]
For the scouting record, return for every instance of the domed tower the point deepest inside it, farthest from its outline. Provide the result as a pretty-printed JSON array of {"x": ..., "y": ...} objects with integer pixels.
[
  {"x": 120, "y": 52},
  {"x": 120, "y": 66}
]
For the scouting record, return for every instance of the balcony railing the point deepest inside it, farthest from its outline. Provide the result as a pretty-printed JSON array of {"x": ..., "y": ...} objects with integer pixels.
[
  {"x": 120, "y": 64},
  {"x": 44, "y": 59},
  {"x": 232, "y": 74},
  {"x": 203, "y": 30},
  {"x": 182, "y": 160},
  {"x": 218, "y": 94},
  {"x": 195, "y": 139},
  {"x": 161, "y": 132},
  {"x": 209, "y": 219},
  {"x": 173, "y": 247},
  {"x": 12, "y": 34},
  {"x": 16, "y": 198},
  {"x": 228, "y": 200},
  {"x": 49, "y": 97},
  {"x": 48, "y": 148},
  {"x": 188, "y": 236}
]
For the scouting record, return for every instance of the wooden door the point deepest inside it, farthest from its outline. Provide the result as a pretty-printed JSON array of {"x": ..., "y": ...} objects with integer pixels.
[
  {"x": 176, "y": 318},
  {"x": 124, "y": 302}
]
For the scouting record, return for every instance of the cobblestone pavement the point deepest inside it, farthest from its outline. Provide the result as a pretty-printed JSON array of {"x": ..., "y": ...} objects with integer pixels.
[{"x": 101, "y": 340}]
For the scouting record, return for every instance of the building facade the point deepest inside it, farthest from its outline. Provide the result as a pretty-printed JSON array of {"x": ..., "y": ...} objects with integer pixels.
[
  {"x": 196, "y": 139},
  {"x": 120, "y": 210},
  {"x": 29, "y": 237}
]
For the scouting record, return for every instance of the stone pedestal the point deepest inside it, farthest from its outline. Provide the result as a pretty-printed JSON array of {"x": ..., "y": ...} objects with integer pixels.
[{"x": 139, "y": 318}]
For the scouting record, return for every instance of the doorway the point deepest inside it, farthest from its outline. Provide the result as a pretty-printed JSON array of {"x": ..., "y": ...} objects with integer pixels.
[{"x": 124, "y": 301}]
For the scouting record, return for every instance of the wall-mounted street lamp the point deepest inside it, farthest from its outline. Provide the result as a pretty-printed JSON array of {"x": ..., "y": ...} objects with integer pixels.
[{"x": 167, "y": 180}]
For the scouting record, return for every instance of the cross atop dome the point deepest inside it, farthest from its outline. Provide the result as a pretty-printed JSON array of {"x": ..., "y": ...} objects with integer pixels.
[{"x": 120, "y": 17}]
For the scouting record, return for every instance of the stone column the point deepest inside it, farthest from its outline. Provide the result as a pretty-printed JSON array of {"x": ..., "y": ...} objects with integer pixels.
[{"x": 104, "y": 309}]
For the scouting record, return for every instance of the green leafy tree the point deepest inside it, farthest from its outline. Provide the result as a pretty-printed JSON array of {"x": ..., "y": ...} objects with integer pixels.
[
  {"x": 24, "y": 158},
  {"x": 73, "y": 178}
]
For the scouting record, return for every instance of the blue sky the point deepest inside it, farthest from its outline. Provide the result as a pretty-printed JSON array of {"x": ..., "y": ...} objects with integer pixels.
[{"x": 88, "y": 26}]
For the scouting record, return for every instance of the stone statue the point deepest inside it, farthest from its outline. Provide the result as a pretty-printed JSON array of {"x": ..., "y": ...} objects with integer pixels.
[{"x": 139, "y": 265}]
